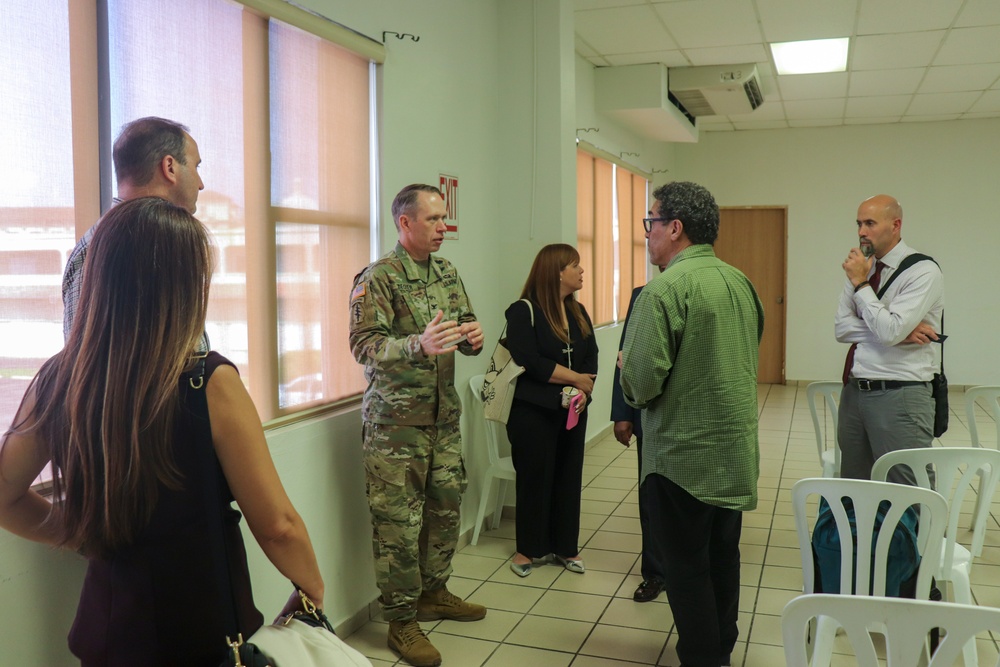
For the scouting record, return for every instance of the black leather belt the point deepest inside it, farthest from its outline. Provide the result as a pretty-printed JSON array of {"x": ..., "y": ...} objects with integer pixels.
[{"x": 875, "y": 385}]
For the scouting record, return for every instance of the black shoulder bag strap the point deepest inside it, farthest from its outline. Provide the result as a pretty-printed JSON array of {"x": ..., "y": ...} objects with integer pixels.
[{"x": 242, "y": 653}]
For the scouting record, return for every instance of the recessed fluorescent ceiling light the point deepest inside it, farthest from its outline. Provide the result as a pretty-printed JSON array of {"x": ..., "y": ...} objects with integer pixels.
[{"x": 811, "y": 57}]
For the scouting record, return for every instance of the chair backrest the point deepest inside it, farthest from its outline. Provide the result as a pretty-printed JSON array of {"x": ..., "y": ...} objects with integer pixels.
[
  {"x": 955, "y": 468},
  {"x": 990, "y": 395},
  {"x": 866, "y": 497},
  {"x": 907, "y": 624},
  {"x": 830, "y": 393},
  {"x": 492, "y": 437}
]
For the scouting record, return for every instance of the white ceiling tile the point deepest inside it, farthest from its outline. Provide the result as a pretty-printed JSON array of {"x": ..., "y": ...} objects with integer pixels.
[
  {"x": 818, "y": 122},
  {"x": 871, "y": 120},
  {"x": 702, "y": 23},
  {"x": 887, "y": 105},
  {"x": 930, "y": 119},
  {"x": 788, "y": 22},
  {"x": 727, "y": 55},
  {"x": 979, "y": 12},
  {"x": 601, "y": 4},
  {"x": 942, "y": 103},
  {"x": 767, "y": 111},
  {"x": 914, "y": 49},
  {"x": 727, "y": 127},
  {"x": 955, "y": 78},
  {"x": 583, "y": 48},
  {"x": 813, "y": 86},
  {"x": 970, "y": 45},
  {"x": 990, "y": 101},
  {"x": 760, "y": 125},
  {"x": 623, "y": 30},
  {"x": 815, "y": 108},
  {"x": 878, "y": 17},
  {"x": 668, "y": 58},
  {"x": 885, "y": 82}
]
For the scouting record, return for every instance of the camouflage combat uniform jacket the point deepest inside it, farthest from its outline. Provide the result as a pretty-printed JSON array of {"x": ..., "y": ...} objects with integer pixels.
[{"x": 391, "y": 305}]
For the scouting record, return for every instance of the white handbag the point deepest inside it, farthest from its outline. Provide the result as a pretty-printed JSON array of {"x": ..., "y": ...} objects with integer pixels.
[
  {"x": 501, "y": 378},
  {"x": 295, "y": 643}
]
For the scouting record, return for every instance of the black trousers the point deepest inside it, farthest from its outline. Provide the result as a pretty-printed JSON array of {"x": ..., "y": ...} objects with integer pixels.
[
  {"x": 701, "y": 547},
  {"x": 651, "y": 563},
  {"x": 549, "y": 464}
]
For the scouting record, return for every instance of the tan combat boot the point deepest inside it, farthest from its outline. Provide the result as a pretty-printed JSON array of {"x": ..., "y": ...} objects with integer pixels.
[
  {"x": 409, "y": 641},
  {"x": 434, "y": 605}
]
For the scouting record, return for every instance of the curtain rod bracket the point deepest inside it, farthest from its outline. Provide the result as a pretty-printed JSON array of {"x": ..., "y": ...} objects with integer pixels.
[{"x": 400, "y": 35}]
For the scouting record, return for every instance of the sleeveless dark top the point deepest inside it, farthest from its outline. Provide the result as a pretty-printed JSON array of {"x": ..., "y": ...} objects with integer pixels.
[{"x": 160, "y": 601}]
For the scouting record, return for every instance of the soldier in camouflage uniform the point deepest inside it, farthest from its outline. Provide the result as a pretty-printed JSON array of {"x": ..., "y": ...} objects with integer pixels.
[{"x": 409, "y": 314}]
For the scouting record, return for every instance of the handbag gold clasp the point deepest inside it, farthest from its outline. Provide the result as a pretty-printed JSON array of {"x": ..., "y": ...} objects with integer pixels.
[{"x": 235, "y": 648}]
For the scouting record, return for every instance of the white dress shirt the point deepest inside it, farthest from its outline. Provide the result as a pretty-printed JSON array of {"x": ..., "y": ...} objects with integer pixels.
[{"x": 880, "y": 326}]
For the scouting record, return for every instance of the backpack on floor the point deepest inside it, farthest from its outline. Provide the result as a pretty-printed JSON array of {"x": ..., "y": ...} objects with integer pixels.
[{"x": 903, "y": 559}]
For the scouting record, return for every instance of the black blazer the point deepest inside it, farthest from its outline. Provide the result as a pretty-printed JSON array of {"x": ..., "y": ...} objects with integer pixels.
[
  {"x": 539, "y": 350},
  {"x": 620, "y": 410}
]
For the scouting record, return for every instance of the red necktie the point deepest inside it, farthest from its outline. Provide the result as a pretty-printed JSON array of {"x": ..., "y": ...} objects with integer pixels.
[{"x": 874, "y": 281}]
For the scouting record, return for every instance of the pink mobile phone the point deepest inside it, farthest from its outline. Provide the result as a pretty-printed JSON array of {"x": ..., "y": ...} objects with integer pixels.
[{"x": 572, "y": 418}]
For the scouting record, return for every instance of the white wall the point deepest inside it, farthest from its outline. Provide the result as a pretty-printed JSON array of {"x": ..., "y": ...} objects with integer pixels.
[{"x": 945, "y": 176}]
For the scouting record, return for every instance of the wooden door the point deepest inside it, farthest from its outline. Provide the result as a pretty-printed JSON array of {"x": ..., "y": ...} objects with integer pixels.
[{"x": 754, "y": 240}]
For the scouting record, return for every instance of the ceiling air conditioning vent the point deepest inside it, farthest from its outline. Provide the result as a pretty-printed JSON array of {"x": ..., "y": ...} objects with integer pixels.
[{"x": 717, "y": 90}]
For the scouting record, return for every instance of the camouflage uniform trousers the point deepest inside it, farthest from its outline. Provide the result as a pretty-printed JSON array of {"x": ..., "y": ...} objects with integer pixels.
[{"x": 415, "y": 481}]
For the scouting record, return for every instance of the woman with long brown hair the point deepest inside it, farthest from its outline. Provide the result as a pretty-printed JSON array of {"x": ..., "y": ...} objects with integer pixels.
[
  {"x": 550, "y": 334},
  {"x": 142, "y": 480}
]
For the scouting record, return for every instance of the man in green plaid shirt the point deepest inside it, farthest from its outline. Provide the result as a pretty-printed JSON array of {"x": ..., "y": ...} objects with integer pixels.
[{"x": 690, "y": 362}]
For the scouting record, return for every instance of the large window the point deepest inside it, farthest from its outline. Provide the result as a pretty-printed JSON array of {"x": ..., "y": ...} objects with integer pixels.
[
  {"x": 611, "y": 202},
  {"x": 283, "y": 121}
]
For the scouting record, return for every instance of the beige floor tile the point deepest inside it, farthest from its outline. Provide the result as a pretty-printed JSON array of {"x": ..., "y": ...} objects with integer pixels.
[
  {"x": 522, "y": 656},
  {"x": 621, "y": 524},
  {"x": 603, "y": 494},
  {"x": 592, "y": 521},
  {"x": 507, "y": 597},
  {"x": 491, "y": 547},
  {"x": 766, "y": 629},
  {"x": 602, "y": 507},
  {"x": 752, "y": 553},
  {"x": 471, "y": 652},
  {"x": 748, "y": 598},
  {"x": 763, "y": 655},
  {"x": 610, "y": 541},
  {"x": 594, "y": 582},
  {"x": 772, "y": 601},
  {"x": 495, "y": 627},
  {"x": 477, "y": 567},
  {"x": 609, "y": 561},
  {"x": 643, "y": 615},
  {"x": 603, "y": 481},
  {"x": 627, "y": 509},
  {"x": 629, "y": 644},
  {"x": 556, "y": 634},
  {"x": 783, "y": 556},
  {"x": 789, "y": 578},
  {"x": 370, "y": 639},
  {"x": 591, "y": 661},
  {"x": 381, "y": 663},
  {"x": 574, "y": 606}
]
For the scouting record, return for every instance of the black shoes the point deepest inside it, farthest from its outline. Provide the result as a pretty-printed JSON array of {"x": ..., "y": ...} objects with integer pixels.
[{"x": 647, "y": 590}]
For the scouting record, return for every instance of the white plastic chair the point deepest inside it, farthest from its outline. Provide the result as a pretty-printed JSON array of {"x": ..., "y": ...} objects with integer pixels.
[
  {"x": 905, "y": 624},
  {"x": 866, "y": 497},
  {"x": 829, "y": 456},
  {"x": 501, "y": 469},
  {"x": 955, "y": 468},
  {"x": 989, "y": 395}
]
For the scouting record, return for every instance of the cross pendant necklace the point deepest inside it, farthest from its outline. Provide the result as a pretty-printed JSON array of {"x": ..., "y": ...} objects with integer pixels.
[{"x": 569, "y": 353}]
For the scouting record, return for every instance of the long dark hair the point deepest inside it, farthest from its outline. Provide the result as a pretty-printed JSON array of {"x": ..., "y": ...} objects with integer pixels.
[
  {"x": 105, "y": 405},
  {"x": 542, "y": 287}
]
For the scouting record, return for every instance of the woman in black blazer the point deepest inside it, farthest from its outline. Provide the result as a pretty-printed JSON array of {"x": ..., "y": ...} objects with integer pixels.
[{"x": 553, "y": 339}]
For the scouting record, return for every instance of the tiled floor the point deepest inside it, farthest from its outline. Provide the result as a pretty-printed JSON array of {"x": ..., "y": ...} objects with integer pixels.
[{"x": 555, "y": 618}]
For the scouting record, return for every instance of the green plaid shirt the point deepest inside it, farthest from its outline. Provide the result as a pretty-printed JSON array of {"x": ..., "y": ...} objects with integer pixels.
[{"x": 690, "y": 361}]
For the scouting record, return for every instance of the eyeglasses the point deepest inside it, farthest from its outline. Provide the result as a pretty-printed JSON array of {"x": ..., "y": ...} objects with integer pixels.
[{"x": 647, "y": 223}]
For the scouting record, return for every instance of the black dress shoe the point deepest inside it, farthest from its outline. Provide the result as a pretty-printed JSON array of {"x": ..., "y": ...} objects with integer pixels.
[{"x": 647, "y": 590}]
